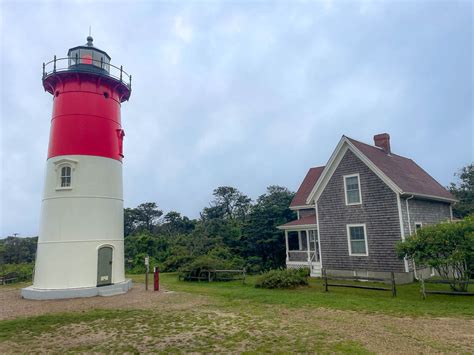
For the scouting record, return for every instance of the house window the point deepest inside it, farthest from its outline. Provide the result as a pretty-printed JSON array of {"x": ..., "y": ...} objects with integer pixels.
[
  {"x": 352, "y": 189},
  {"x": 357, "y": 239},
  {"x": 418, "y": 226},
  {"x": 66, "y": 176}
]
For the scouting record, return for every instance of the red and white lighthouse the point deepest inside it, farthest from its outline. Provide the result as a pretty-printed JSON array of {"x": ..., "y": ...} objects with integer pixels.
[{"x": 80, "y": 247}]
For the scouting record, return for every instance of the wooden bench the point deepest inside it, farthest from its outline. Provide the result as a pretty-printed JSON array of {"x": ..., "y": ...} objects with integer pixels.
[
  {"x": 12, "y": 277},
  {"x": 213, "y": 275}
]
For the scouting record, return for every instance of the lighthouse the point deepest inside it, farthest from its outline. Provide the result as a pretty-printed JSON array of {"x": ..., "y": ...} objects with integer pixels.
[{"x": 80, "y": 246}]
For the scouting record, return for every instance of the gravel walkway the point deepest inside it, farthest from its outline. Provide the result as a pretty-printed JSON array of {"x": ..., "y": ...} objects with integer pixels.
[{"x": 13, "y": 306}]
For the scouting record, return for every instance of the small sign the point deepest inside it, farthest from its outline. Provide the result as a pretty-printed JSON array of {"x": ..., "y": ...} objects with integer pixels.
[
  {"x": 147, "y": 260},
  {"x": 104, "y": 278}
]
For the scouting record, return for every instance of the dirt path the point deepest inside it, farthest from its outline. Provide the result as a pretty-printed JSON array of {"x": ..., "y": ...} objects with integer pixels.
[
  {"x": 13, "y": 306},
  {"x": 180, "y": 322}
]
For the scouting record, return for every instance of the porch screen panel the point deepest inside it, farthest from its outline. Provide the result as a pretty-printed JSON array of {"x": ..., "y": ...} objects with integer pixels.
[{"x": 293, "y": 241}]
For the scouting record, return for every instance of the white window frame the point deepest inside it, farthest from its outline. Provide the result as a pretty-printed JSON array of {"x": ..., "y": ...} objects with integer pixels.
[
  {"x": 59, "y": 165},
  {"x": 348, "y": 227},
  {"x": 65, "y": 166},
  {"x": 345, "y": 177},
  {"x": 418, "y": 224}
]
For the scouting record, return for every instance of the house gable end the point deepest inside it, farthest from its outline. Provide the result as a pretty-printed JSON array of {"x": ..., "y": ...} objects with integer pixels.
[
  {"x": 378, "y": 212},
  {"x": 343, "y": 146}
]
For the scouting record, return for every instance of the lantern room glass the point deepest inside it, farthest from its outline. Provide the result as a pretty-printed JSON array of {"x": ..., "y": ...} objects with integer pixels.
[{"x": 89, "y": 56}]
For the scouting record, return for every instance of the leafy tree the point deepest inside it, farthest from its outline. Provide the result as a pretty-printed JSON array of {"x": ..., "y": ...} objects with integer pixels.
[
  {"x": 143, "y": 218},
  {"x": 174, "y": 223},
  {"x": 228, "y": 203},
  {"x": 231, "y": 231},
  {"x": 130, "y": 221},
  {"x": 148, "y": 214},
  {"x": 464, "y": 192},
  {"x": 137, "y": 246},
  {"x": 2, "y": 253},
  {"x": 447, "y": 247},
  {"x": 18, "y": 250},
  {"x": 261, "y": 237}
]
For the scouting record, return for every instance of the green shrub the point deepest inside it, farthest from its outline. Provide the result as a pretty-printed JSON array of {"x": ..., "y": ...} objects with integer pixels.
[
  {"x": 283, "y": 278},
  {"x": 208, "y": 262},
  {"x": 446, "y": 247},
  {"x": 176, "y": 261},
  {"x": 22, "y": 272}
]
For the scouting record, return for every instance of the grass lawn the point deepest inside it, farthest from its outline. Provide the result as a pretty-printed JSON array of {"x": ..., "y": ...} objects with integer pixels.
[
  {"x": 407, "y": 303},
  {"x": 232, "y": 317}
]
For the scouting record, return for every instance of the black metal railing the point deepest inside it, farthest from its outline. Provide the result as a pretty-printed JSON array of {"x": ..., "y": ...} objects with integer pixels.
[{"x": 88, "y": 65}]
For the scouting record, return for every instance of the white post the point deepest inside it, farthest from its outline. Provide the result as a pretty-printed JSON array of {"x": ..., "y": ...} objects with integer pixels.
[
  {"x": 308, "y": 246},
  {"x": 299, "y": 241},
  {"x": 287, "y": 248},
  {"x": 320, "y": 257}
]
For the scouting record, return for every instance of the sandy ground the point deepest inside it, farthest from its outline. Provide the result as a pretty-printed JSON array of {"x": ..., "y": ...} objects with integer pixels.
[
  {"x": 12, "y": 305},
  {"x": 187, "y": 322}
]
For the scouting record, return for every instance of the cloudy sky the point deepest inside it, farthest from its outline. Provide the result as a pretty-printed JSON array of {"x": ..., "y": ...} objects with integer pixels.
[{"x": 241, "y": 93}]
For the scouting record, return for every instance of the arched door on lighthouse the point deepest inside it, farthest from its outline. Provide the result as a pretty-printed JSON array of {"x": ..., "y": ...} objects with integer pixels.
[{"x": 104, "y": 266}]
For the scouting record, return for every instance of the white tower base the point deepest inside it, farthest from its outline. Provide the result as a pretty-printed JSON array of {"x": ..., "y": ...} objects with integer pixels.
[
  {"x": 33, "y": 293},
  {"x": 81, "y": 245}
]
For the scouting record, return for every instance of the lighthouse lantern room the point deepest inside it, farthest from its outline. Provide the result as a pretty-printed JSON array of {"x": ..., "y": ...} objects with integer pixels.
[{"x": 80, "y": 246}]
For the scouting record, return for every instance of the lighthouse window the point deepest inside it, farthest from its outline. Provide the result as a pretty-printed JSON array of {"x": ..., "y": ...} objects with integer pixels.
[{"x": 66, "y": 176}]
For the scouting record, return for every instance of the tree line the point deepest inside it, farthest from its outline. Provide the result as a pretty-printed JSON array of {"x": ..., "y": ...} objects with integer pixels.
[{"x": 233, "y": 232}]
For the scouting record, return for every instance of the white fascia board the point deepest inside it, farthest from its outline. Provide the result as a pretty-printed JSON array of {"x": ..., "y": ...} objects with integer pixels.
[
  {"x": 299, "y": 227},
  {"x": 336, "y": 157},
  {"x": 328, "y": 166},
  {"x": 305, "y": 207},
  {"x": 429, "y": 197}
]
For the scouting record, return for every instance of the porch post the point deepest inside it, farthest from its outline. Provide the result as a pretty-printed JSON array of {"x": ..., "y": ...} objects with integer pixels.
[
  {"x": 308, "y": 246},
  {"x": 299, "y": 241},
  {"x": 286, "y": 243}
]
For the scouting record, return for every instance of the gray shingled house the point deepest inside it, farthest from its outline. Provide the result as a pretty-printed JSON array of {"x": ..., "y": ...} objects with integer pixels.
[{"x": 352, "y": 211}]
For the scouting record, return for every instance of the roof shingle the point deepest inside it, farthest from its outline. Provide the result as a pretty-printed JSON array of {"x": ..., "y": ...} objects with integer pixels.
[
  {"x": 404, "y": 172},
  {"x": 306, "y": 186},
  {"x": 303, "y": 221}
]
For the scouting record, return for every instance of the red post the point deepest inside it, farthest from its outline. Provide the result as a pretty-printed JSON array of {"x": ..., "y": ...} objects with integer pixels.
[{"x": 157, "y": 278}]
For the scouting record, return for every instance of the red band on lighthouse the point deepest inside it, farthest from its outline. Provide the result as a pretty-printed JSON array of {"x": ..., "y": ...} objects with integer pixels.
[{"x": 86, "y": 119}]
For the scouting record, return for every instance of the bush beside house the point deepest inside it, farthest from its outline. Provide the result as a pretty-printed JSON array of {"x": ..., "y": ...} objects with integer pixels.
[
  {"x": 446, "y": 247},
  {"x": 283, "y": 278}
]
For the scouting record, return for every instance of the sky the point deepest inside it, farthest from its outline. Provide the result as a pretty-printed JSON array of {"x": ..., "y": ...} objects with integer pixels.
[{"x": 241, "y": 93}]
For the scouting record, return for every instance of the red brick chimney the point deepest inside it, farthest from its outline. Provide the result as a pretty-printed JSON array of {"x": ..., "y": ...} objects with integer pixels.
[{"x": 383, "y": 141}]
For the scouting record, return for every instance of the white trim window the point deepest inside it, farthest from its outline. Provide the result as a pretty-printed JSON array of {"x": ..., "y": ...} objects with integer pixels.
[
  {"x": 352, "y": 189},
  {"x": 66, "y": 176},
  {"x": 418, "y": 226},
  {"x": 64, "y": 169},
  {"x": 357, "y": 240}
]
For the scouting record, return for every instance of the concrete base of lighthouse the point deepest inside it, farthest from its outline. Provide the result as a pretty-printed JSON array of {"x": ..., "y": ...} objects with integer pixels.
[{"x": 33, "y": 293}]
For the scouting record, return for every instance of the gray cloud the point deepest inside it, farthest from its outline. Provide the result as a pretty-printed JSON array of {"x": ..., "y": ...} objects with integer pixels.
[{"x": 246, "y": 94}]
